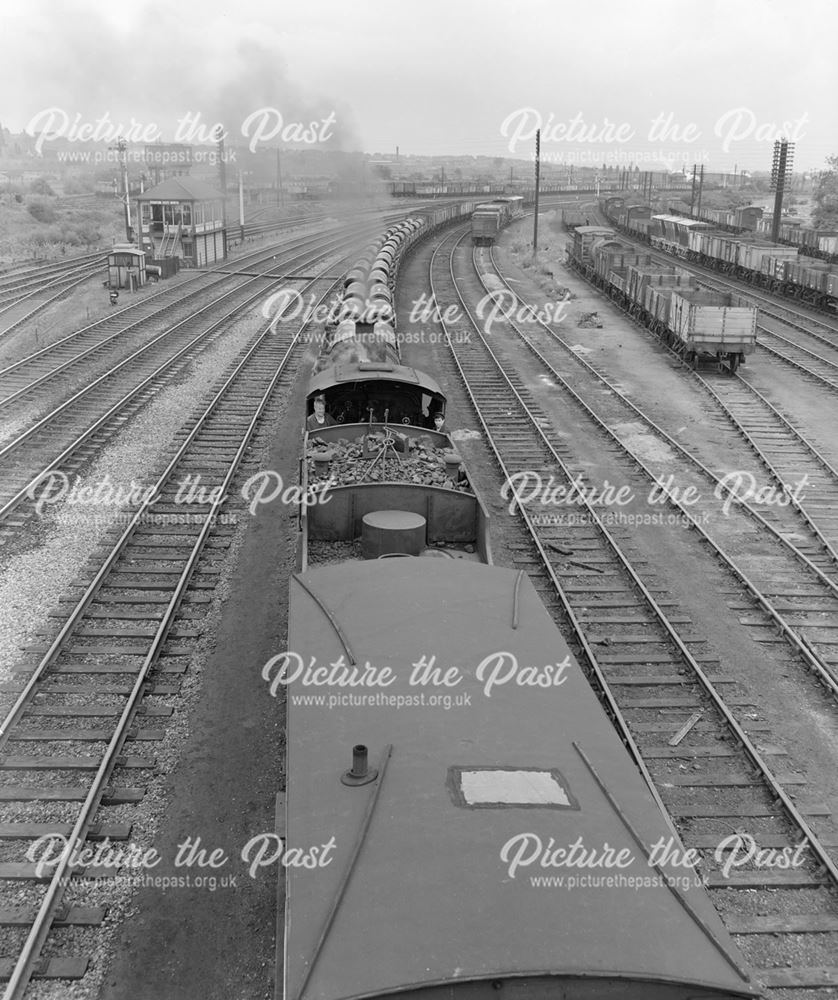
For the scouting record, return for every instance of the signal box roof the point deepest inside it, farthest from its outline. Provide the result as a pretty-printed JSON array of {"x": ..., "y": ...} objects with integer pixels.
[{"x": 181, "y": 189}]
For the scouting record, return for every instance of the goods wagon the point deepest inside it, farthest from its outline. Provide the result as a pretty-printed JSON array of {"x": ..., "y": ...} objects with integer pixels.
[
  {"x": 573, "y": 217},
  {"x": 703, "y": 325},
  {"x": 584, "y": 238},
  {"x": 641, "y": 275},
  {"x": 485, "y": 226},
  {"x": 759, "y": 262},
  {"x": 747, "y": 216},
  {"x": 488, "y": 219},
  {"x": 751, "y": 218},
  {"x": 712, "y": 324}
]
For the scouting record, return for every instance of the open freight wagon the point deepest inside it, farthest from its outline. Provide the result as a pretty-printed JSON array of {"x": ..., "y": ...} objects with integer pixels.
[{"x": 711, "y": 326}]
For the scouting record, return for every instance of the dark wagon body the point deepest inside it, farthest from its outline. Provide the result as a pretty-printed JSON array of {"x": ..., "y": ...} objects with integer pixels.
[
  {"x": 445, "y": 746},
  {"x": 428, "y": 893}
]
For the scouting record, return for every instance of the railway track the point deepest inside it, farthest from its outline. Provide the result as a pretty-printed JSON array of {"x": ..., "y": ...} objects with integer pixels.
[
  {"x": 126, "y": 326},
  {"x": 64, "y": 276},
  {"x": 809, "y": 363},
  {"x": 785, "y": 455},
  {"x": 59, "y": 287},
  {"x": 783, "y": 450},
  {"x": 121, "y": 648},
  {"x": 792, "y": 352},
  {"x": 704, "y": 753},
  {"x": 40, "y": 369},
  {"x": 61, "y": 442},
  {"x": 801, "y": 354},
  {"x": 792, "y": 546},
  {"x": 15, "y": 281}
]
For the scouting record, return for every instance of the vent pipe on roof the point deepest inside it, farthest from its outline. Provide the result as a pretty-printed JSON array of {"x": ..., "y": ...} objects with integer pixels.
[{"x": 360, "y": 774}]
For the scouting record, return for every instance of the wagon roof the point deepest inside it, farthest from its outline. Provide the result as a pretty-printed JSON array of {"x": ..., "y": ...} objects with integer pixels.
[
  {"x": 429, "y": 898},
  {"x": 682, "y": 221}
]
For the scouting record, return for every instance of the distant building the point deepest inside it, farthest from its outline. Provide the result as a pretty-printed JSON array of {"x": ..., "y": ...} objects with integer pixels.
[
  {"x": 184, "y": 217},
  {"x": 171, "y": 159}
]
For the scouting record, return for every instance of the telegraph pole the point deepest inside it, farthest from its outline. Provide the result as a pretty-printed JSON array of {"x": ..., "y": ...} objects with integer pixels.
[
  {"x": 222, "y": 181},
  {"x": 537, "y": 173},
  {"x": 280, "y": 200},
  {"x": 783, "y": 156},
  {"x": 692, "y": 193},
  {"x": 241, "y": 207},
  {"x": 121, "y": 148}
]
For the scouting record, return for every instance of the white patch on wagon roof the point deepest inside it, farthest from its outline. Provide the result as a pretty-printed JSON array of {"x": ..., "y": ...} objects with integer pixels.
[{"x": 512, "y": 788}]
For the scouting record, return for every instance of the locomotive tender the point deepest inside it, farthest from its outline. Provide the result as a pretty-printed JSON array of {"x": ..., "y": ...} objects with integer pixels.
[{"x": 484, "y": 830}]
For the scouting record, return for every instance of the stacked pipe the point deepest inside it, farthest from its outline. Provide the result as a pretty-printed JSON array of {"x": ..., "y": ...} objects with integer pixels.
[{"x": 368, "y": 287}]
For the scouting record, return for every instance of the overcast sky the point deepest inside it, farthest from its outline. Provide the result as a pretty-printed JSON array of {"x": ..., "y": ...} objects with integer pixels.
[{"x": 439, "y": 76}]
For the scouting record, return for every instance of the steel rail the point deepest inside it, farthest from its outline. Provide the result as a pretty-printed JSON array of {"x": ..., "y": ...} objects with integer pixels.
[
  {"x": 672, "y": 442},
  {"x": 793, "y": 433},
  {"x": 582, "y": 638},
  {"x": 13, "y": 295},
  {"x": 39, "y": 931},
  {"x": 797, "y": 364},
  {"x": 710, "y": 689},
  {"x": 258, "y": 258},
  {"x": 49, "y": 265},
  {"x": 132, "y": 393},
  {"x": 68, "y": 283},
  {"x": 745, "y": 288},
  {"x": 805, "y": 650}
]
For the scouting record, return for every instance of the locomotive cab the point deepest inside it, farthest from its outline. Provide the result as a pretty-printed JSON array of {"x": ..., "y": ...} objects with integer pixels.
[{"x": 377, "y": 392}]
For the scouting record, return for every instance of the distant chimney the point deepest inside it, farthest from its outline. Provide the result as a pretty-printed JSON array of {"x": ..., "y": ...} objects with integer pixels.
[{"x": 222, "y": 167}]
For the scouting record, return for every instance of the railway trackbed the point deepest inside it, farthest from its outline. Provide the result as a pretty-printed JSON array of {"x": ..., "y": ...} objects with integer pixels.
[
  {"x": 793, "y": 353},
  {"x": 59, "y": 286},
  {"x": 19, "y": 283},
  {"x": 777, "y": 552},
  {"x": 77, "y": 741},
  {"x": 809, "y": 363},
  {"x": 65, "y": 439},
  {"x": 125, "y": 326},
  {"x": 705, "y": 751},
  {"x": 802, "y": 354},
  {"x": 788, "y": 457}
]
